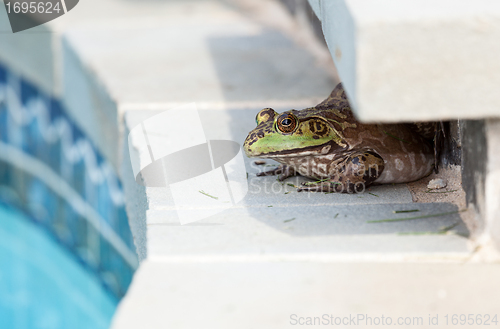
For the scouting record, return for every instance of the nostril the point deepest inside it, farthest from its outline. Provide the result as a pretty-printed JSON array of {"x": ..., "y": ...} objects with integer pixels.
[{"x": 260, "y": 134}]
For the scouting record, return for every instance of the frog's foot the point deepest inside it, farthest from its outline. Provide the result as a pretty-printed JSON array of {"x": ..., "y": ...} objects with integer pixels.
[
  {"x": 283, "y": 171},
  {"x": 355, "y": 173}
]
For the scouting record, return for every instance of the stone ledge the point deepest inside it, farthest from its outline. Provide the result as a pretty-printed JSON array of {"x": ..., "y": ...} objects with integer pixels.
[
  {"x": 265, "y": 294},
  {"x": 406, "y": 60}
]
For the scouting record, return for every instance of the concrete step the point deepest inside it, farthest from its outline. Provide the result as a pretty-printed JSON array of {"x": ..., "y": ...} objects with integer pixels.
[
  {"x": 415, "y": 60},
  {"x": 272, "y": 294}
]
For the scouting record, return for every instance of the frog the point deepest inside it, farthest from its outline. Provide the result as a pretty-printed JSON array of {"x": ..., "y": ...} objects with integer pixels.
[{"x": 326, "y": 143}]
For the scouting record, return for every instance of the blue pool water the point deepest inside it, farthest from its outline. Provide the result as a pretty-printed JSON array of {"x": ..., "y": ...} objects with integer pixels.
[
  {"x": 67, "y": 254},
  {"x": 41, "y": 283}
]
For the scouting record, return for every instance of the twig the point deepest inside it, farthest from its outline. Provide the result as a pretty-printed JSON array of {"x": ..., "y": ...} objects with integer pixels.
[
  {"x": 423, "y": 233},
  {"x": 403, "y": 211},
  {"x": 410, "y": 218},
  {"x": 288, "y": 220},
  {"x": 443, "y": 230},
  {"x": 318, "y": 181},
  {"x": 391, "y": 135},
  {"x": 205, "y": 193},
  {"x": 322, "y": 180},
  {"x": 429, "y": 191},
  {"x": 449, "y": 227}
]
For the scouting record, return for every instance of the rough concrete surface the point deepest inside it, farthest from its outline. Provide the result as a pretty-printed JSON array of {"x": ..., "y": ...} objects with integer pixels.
[
  {"x": 269, "y": 294},
  {"x": 405, "y": 60}
]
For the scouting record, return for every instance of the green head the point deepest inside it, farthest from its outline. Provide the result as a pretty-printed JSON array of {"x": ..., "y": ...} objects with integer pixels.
[{"x": 290, "y": 133}]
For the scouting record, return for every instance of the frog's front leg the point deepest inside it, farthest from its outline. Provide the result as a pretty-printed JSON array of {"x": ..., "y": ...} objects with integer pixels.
[
  {"x": 350, "y": 175},
  {"x": 283, "y": 171}
]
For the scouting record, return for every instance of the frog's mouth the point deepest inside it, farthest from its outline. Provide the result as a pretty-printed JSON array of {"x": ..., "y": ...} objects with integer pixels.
[{"x": 306, "y": 151}]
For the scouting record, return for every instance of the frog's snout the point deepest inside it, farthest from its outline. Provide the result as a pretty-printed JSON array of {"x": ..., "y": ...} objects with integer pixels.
[{"x": 247, "y": 145}]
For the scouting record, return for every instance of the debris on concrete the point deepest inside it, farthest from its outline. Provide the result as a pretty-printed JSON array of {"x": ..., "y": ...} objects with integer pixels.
[
  {"x": 211, "y": 196},
  {"x": 410, "y": 218},
  {"x": 404, "y": 211},
  {"x": 436, "y": 183},
  {"x": 259, "y": 162},
  {"x": 447, "y": 191},
  {"x": 452, "y": 176}
]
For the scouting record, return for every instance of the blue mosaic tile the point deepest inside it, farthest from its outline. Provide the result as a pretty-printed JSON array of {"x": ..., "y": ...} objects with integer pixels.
[{"x": 35, "y": 133}]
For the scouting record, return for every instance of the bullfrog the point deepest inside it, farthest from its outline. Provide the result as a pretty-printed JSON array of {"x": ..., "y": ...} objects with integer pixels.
[{"x": 327, "y": 144}]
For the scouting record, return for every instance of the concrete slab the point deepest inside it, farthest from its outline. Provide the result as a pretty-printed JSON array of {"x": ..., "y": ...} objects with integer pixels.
[
  {"x": 204, "y": 51},
  {"x": 306, "y": 232},
  {"x": 406, "y": 60},
  {"x": 280, "y": 294}
]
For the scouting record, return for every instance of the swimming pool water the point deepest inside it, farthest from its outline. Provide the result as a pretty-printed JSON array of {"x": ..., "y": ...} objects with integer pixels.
[{"x": 41, "y": 283}]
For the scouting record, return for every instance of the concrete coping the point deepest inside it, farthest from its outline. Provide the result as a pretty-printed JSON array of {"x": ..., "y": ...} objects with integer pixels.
[{"x": 415, "y": 60}]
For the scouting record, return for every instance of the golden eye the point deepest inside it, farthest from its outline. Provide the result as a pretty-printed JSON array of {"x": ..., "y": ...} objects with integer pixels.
[{"x": 286, "y": 123}]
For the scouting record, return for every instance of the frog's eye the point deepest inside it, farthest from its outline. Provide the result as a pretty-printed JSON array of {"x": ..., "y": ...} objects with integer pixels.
[
  {"x": 265, "y": 115},
  {"x": 286, "y": 123}
]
